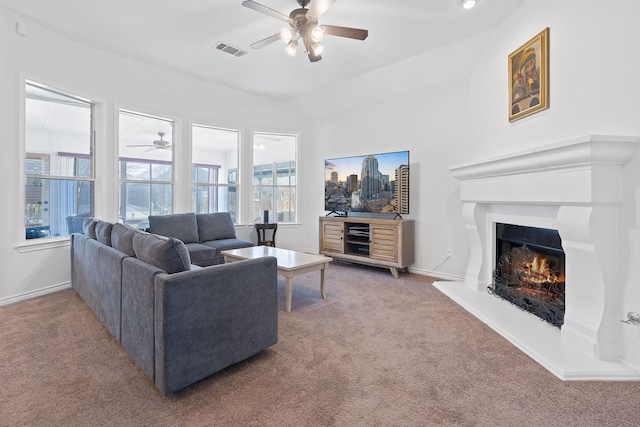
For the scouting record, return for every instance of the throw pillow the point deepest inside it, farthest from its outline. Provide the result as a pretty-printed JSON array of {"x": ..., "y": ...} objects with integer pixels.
[
  {"x": 167, "y": 253},
  {"x": 103, "y": 232},
  {"x": 122, "y": 238},
  {"x": 89, "y": 227}
]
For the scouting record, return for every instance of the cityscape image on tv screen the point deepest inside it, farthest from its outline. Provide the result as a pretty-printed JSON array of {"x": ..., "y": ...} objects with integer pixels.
[{"x": 376, "y": 183}]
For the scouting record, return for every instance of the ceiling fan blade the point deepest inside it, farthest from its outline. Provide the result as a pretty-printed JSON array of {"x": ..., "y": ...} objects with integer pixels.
[
  {"x": 145, "y": 145},
  {"x": 319, "y": 7},
  {"x": 352, "y": 33},
  {"x": 264, "y": 9},
  {"x": 262, "y": 43}
]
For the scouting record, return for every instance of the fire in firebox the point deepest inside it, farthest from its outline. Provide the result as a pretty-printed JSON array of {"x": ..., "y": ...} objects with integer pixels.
[{"x": 531, "y": 278}]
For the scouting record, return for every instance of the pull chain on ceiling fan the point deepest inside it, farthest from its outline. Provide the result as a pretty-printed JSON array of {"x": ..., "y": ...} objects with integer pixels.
[{"x": 304, "y": 26}]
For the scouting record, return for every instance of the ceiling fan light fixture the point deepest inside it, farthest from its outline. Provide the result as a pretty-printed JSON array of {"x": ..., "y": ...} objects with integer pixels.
[
  {"x": 292, "y": 47},
  {"x": 317, "y": 48},
  {"x": 468, "y": 4},
  {"x": 286, "y": 34},
  {"x": 304, "y": 27},
  {"x": 317, "y": 34}
]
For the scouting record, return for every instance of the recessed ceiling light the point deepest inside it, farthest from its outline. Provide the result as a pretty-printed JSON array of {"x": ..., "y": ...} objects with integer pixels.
[{"x": 468, "y": 4}]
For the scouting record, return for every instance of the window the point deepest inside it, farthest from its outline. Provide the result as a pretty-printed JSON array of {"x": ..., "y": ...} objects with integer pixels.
[
  {"x": 146, "y": 167},
  {"x": 215, "y": 170},
  {"x": 274, "y": 176},
  {"x": 59, "y": 161}
]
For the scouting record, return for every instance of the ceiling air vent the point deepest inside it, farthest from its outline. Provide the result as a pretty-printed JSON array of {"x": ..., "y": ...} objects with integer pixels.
[{"x": 230, "y": 50}]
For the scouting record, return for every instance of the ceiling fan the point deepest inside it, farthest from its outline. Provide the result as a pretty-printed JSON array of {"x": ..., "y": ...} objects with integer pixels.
[
  {"x": 158, "y": 144},
  {"x": 304, "y": 26}
]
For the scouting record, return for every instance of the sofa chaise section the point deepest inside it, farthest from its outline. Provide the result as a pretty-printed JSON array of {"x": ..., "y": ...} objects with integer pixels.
[{"x": 206, "y": 322}]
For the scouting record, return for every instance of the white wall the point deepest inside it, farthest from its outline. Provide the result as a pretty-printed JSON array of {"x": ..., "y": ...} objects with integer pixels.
[
  {"x": 594, "y": 90},
  {"x": 592, "y": 75},
  {"x": 420, "y": 105},
  {"x": 116, "y": 82},
  {"x": 426, "y": 123}
]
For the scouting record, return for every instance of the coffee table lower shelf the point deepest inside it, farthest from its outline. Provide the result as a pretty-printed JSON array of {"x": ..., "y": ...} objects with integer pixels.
[{"x": 290, "y": 265}]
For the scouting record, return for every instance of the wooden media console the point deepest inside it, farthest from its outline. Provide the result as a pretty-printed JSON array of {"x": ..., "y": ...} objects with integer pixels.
[{"x": 372, "y": 241}]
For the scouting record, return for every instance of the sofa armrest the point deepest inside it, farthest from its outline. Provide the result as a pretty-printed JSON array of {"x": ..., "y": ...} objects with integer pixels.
[{"x": 210, "y": 318}]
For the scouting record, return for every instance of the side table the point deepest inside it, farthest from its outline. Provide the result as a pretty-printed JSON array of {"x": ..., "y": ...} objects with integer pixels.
[{"x": 263, "y": 239}]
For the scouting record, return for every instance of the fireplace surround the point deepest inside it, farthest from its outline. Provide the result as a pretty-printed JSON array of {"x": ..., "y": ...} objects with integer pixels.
[{"x": 573, "y": 187}]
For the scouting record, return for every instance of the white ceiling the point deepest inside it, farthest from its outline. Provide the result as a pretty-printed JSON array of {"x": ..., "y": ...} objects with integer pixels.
[{"x": 180, "y": 35}]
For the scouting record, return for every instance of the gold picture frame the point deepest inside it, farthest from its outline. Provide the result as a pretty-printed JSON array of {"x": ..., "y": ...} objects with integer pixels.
[{"x": 529, "y": 77}]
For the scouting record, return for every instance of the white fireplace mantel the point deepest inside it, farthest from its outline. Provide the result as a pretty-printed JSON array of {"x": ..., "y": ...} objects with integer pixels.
[
  {"x": 576, "y": 172},
  {"x": 574, "y": 187}
]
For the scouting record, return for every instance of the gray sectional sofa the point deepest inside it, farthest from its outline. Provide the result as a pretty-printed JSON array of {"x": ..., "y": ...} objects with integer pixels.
[
  {"x": 178, "y": 322},
  {"x": 204, "y": 235}
]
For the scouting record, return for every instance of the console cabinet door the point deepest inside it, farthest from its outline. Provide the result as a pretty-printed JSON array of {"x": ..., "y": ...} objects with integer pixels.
[
  {"x": 332, "y": 237},
  {"x": 384, "y": 242}
]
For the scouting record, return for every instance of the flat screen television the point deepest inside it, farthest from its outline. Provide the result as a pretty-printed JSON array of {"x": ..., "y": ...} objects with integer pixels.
[{"x": 374, "y": 183}]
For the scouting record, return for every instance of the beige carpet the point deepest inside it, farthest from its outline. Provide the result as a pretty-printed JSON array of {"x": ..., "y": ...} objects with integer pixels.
[{"x": 379, "y": 352}]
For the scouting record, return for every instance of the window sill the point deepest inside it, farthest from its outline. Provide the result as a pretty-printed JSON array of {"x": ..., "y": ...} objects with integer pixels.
[{"x": 43, "y": 244}]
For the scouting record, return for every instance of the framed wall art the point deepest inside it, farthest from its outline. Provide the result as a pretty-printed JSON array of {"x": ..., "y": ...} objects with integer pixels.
[{"x": 529, "y": 77}]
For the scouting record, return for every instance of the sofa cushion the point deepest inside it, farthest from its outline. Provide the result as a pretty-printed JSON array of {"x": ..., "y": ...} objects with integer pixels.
[
  {"x": 214, "y": 226},
  {"x": 167, "y": 253},
  {"x": 103, "y": 232},
  {"x": 89, "y": 227},
  {"x": 227, "y": 244},
  {"x": 202, "y": 255},
  {"x": 181, "y": 226},
  {"x": 122, "y": 238}
]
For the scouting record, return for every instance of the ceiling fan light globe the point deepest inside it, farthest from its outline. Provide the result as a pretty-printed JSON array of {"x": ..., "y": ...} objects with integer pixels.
[
  {"x": 317, "y": 48},
  {"x": 291, "y": 48},
  {"x": 317, "y": 34},
  {"x": 286, "y": 34},
  {"x": 468, "y": 4}
]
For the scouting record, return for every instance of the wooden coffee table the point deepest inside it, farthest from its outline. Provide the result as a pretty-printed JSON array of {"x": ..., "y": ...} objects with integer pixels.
[{"x": 290, "y": 264}]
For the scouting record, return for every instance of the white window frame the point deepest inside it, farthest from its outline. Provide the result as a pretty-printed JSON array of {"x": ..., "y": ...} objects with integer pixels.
[
  {"x": 217, "y": 185},
  {"x": 120, "y": 181},
  {"x": 97, "y": 122},
  {"x": 274, "y": 186}
]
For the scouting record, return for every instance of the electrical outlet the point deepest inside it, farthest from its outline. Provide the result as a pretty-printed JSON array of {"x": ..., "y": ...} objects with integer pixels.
[{"x": 449, "y": 253}]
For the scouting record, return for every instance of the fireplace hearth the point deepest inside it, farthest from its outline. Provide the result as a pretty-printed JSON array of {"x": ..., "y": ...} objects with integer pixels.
[{"x": 529, "y": 271}]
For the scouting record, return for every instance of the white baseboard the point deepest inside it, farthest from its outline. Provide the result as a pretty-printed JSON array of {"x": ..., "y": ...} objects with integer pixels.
[
  {"x": 436, "y": 274},
  {"x": 34, "y": 294}
]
